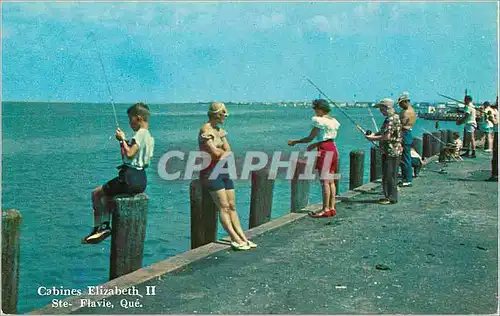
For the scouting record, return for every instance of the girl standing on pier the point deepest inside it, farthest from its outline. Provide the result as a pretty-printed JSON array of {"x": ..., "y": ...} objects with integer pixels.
[
  {"x": 324, "y": 131},
  {"x": 212, "y": 139}
]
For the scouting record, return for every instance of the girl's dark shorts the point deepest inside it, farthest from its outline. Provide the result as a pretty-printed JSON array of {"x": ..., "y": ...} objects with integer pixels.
[
  {"x": 223, "y": 181},
  {"x": 129, "y": 181}
]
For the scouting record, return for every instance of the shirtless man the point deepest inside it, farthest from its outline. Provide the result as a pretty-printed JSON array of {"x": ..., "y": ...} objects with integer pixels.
[{"x": 408, "y": 117}]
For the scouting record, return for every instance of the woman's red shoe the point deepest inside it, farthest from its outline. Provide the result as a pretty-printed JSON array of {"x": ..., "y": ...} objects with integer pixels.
[{"x": 327, "y": 213}]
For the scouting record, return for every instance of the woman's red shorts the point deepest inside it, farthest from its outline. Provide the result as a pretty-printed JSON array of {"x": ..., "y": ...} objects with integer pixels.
[{"x": 325, "y": 150}]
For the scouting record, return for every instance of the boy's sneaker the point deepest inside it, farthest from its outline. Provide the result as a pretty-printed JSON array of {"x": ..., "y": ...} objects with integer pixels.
[
  {"x": 488, "y": 150},
  {"x": 98, "y": 234},
  {"x": 405, "y": 184}
]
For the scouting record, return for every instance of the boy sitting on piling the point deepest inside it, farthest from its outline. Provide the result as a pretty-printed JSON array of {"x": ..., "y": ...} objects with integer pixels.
[
  {"x": 416, "y": 162},
  {"x": 136, "y": 155},
  {"x": 451, "y": 150}
]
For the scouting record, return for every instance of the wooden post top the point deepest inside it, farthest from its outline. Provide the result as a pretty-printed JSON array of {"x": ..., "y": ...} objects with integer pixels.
[
  {"x": 10, "y": 214},
  {"x": 140, "y": 196}
]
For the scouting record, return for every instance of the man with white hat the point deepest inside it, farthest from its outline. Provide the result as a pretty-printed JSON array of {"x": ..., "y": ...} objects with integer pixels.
[
  {"x": 390, "y": 145},
  {"x": 408, "y": 117}
]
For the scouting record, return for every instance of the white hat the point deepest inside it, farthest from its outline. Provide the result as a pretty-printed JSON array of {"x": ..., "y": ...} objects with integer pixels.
[
  {"x": 385, "y": 103},
  {"x": 405, "y": 96}
]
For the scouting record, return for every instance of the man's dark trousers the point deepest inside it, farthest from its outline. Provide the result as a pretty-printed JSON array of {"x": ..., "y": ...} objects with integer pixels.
[{"x": 389, "y": 176}]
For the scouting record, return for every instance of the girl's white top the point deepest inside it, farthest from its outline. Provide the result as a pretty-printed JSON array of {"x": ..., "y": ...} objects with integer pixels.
[
  {"x": 146, "y": 147},
  {"x": 328, "y": 127}
]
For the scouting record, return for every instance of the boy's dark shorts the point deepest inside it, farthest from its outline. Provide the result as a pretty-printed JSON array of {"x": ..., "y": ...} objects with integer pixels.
[{"x": 129, "y": 181}]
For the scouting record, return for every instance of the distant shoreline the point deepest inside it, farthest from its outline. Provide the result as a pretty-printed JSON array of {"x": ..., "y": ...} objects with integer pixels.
[{"x": 294, "y": 104}]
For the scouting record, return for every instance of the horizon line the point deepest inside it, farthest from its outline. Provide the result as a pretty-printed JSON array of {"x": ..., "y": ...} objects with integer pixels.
[{"x": 201, "y": 102}]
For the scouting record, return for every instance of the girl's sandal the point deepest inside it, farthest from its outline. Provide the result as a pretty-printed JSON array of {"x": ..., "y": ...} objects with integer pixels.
[
  {"x": 326, "y": 213},
  {"x": 251, "y": 244},
  {"x": 236, "y": 246}
]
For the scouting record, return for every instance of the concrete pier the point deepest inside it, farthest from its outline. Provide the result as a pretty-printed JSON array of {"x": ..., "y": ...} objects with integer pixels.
[{"x": 434, "y": 252}]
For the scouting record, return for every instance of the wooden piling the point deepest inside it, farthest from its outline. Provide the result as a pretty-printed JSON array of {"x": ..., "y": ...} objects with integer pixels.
[
  {"x": 418, "y": 145},
  {"x": 375, "y": 164},
  {"x": 427, "y": 146},
  {"x": 478, "y": 134},
  {"x": 356, "y": 168},
  {"x": 128, "y": 234},
  {"x": 436, "y": 145},
  {"x": 261, "y": 198},
  {"x": 450, "y": 138},
  {"x": 486, "y": 142},
  {"x": 337, "y": 181},
  {"x": 444, "y": 136},
  {"x": 11, "y": 231},
  {"x": 300, "y": 189},
  {"x": 203, "y": 215}
]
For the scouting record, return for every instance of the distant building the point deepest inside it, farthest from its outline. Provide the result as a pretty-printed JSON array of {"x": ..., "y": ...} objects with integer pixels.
[{"x": 425, "y": 107}]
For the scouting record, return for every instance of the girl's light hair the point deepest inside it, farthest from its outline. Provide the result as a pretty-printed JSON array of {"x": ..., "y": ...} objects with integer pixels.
[{"x": 215, "y": 108}]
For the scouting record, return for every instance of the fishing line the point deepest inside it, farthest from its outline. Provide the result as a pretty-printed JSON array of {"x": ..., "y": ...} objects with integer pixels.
[
  {"x": 373, "y": 119},
  {"x": 339, "y": 108},
  {"x": 365, "y": 133},
  {"x": 460, "y": 102},
  {"x": 434, "y": 136},
  {"x": 105, "y": 79},
  {"x": 122, "y": 149}
]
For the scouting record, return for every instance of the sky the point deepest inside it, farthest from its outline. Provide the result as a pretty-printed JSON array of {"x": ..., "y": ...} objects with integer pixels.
[{"x": 159, "y": 52}]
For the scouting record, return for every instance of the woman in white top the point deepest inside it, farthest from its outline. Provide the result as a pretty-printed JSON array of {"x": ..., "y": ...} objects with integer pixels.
[{"x": 323, "y": 132}]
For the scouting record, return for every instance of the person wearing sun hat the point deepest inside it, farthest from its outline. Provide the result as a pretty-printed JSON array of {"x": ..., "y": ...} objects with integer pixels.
[
  {"x": 324, "y": 130},
  {"x": 408, "y": 117},
  {"x": 390, "y": 137}
]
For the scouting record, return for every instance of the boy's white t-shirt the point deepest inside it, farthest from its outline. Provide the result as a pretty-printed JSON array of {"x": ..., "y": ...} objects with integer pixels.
[{"x": 146, "y": 147}]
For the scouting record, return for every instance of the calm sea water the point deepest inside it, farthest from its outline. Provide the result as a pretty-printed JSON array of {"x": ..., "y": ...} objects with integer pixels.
[{"x": 55, "y": 154}]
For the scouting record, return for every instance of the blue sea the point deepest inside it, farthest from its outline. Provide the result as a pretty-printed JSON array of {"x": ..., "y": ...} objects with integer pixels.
[{"x": 53, "y": 155}]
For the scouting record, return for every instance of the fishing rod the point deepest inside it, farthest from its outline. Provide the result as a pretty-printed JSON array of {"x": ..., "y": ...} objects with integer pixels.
[
  {"x": 439, "y": 140},
  {"x": 105, "y": 79},
  {"x": 338, "y": 107},
  {"x": 365, "y": 133},
  {"x": 122, "y": 149},
  {"x": 373, "y": 119},
  {"x": 460, "y": 102}
]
